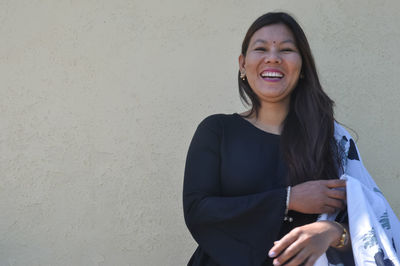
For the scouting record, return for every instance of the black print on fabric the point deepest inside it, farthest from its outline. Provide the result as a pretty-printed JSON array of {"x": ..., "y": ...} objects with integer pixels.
[
  {"x": 352, "y": 154},
  {"x": 380, "y": 259}
]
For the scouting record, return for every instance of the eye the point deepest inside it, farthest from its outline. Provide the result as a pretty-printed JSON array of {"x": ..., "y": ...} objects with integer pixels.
[
  {"x": 289, "y": 49},
  {"x": 262, "y": 49}
]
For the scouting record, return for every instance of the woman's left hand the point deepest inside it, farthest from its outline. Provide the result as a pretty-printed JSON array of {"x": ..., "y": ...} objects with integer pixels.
[{"x": 305, "y": 244}]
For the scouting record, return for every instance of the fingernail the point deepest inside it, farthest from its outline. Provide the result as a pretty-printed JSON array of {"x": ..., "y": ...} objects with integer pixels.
[
  {"x": 271, "y": 254},
  {"x": 276, "y": 263}
]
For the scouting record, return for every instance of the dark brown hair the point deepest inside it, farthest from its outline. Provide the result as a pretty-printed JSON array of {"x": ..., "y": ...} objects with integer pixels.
[{"x": 307, "y": 138}]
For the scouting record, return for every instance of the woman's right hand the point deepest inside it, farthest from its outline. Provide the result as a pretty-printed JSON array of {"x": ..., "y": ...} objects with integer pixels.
[
  {"x": 319, "y": 196},
  {"x": 305, "y": 244}
]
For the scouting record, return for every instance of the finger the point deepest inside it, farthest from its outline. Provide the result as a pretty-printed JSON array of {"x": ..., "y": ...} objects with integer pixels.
[
  {"x": 336, "y": 194},
  {"x": 337, "y": 204},
  {"x": 328, "y": 209},
  {"x": 289, "y": 253},
  {"x": 335, "y": 183},
  {"x": 284, "y": 242},
  {"x": 300, "y": 258},
  {"x": 311, "y": 260}
]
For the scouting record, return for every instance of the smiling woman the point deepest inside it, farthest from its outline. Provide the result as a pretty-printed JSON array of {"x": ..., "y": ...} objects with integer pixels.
[{"x": 255, "y": 183}]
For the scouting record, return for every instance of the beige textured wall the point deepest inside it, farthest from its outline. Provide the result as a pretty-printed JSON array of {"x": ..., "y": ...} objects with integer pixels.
[{"x": 99, "y": 101}]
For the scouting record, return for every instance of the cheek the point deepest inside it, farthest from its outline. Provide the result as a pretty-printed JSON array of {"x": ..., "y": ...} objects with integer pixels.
[
  {"x": 251, "y": 61},
  {"x": 298, "y": 64},
  {"x": 295, "y": 70},
  {"x": 295, "y": 63}
]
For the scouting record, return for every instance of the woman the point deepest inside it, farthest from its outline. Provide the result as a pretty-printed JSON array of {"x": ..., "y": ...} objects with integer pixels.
[{"x": 256, "y": 182}]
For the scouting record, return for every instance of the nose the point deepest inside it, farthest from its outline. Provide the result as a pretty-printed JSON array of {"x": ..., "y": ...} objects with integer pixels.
[{"x": 272, "y": 58}]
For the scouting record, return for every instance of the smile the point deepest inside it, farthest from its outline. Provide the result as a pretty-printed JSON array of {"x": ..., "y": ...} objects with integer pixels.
[{"x": 272, "y": 75}]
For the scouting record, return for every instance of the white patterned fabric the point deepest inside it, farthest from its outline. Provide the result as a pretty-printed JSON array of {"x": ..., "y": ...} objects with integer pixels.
[{"x": 374, "y": 227}]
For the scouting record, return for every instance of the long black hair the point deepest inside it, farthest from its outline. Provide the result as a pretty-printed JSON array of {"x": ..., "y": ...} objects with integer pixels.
[{"x": 307, "y": 137}]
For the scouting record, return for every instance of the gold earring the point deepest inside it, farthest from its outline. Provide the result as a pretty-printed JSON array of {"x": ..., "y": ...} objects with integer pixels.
[{"x": 243, "y": 74}]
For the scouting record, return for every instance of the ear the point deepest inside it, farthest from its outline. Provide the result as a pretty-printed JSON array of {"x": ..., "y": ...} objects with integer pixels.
[{"x": 241, "y": 61}]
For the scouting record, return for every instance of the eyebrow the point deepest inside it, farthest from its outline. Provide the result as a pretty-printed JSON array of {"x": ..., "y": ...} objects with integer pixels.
[{"x": 264, "y": 41}]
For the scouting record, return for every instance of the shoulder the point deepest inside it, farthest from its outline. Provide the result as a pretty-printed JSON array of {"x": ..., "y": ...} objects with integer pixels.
[
  {"x": 216, "y": 121},
  {"x": 215, "y": 125},
  {"x": 210, "y": 131}
]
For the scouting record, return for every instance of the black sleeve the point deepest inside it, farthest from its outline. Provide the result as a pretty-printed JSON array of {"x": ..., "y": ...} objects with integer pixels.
[{"x": 231, "y": 230}]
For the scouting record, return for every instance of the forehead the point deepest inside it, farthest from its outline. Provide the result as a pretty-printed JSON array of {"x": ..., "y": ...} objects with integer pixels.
[{"x": 273, "y": 33}]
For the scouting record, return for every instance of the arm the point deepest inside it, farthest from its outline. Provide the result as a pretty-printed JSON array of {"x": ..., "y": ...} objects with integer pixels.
[
  {"x": 232, "y": 230},
  {"x": 305, "y": 244}
]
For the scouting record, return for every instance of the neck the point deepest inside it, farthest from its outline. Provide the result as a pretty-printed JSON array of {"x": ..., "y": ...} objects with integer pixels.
[{"x": 271, "y": 116}]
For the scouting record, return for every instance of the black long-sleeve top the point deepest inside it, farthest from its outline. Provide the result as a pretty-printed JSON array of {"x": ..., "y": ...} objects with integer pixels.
[{"x": 234, "y": 193}]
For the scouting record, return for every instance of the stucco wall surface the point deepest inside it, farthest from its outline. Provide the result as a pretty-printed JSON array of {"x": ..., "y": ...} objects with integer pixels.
[{"x": 99, "y": 101}]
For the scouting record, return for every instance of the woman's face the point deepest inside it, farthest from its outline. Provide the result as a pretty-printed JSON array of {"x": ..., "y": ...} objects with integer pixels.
[{"x": 272, "y": 63}]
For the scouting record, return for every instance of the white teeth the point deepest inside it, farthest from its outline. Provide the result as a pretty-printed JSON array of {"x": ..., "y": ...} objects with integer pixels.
[{"x": 271, "y": 75}]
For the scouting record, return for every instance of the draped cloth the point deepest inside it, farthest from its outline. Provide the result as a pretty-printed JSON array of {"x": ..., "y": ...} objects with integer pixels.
[{"x": 374, "y": 227}]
